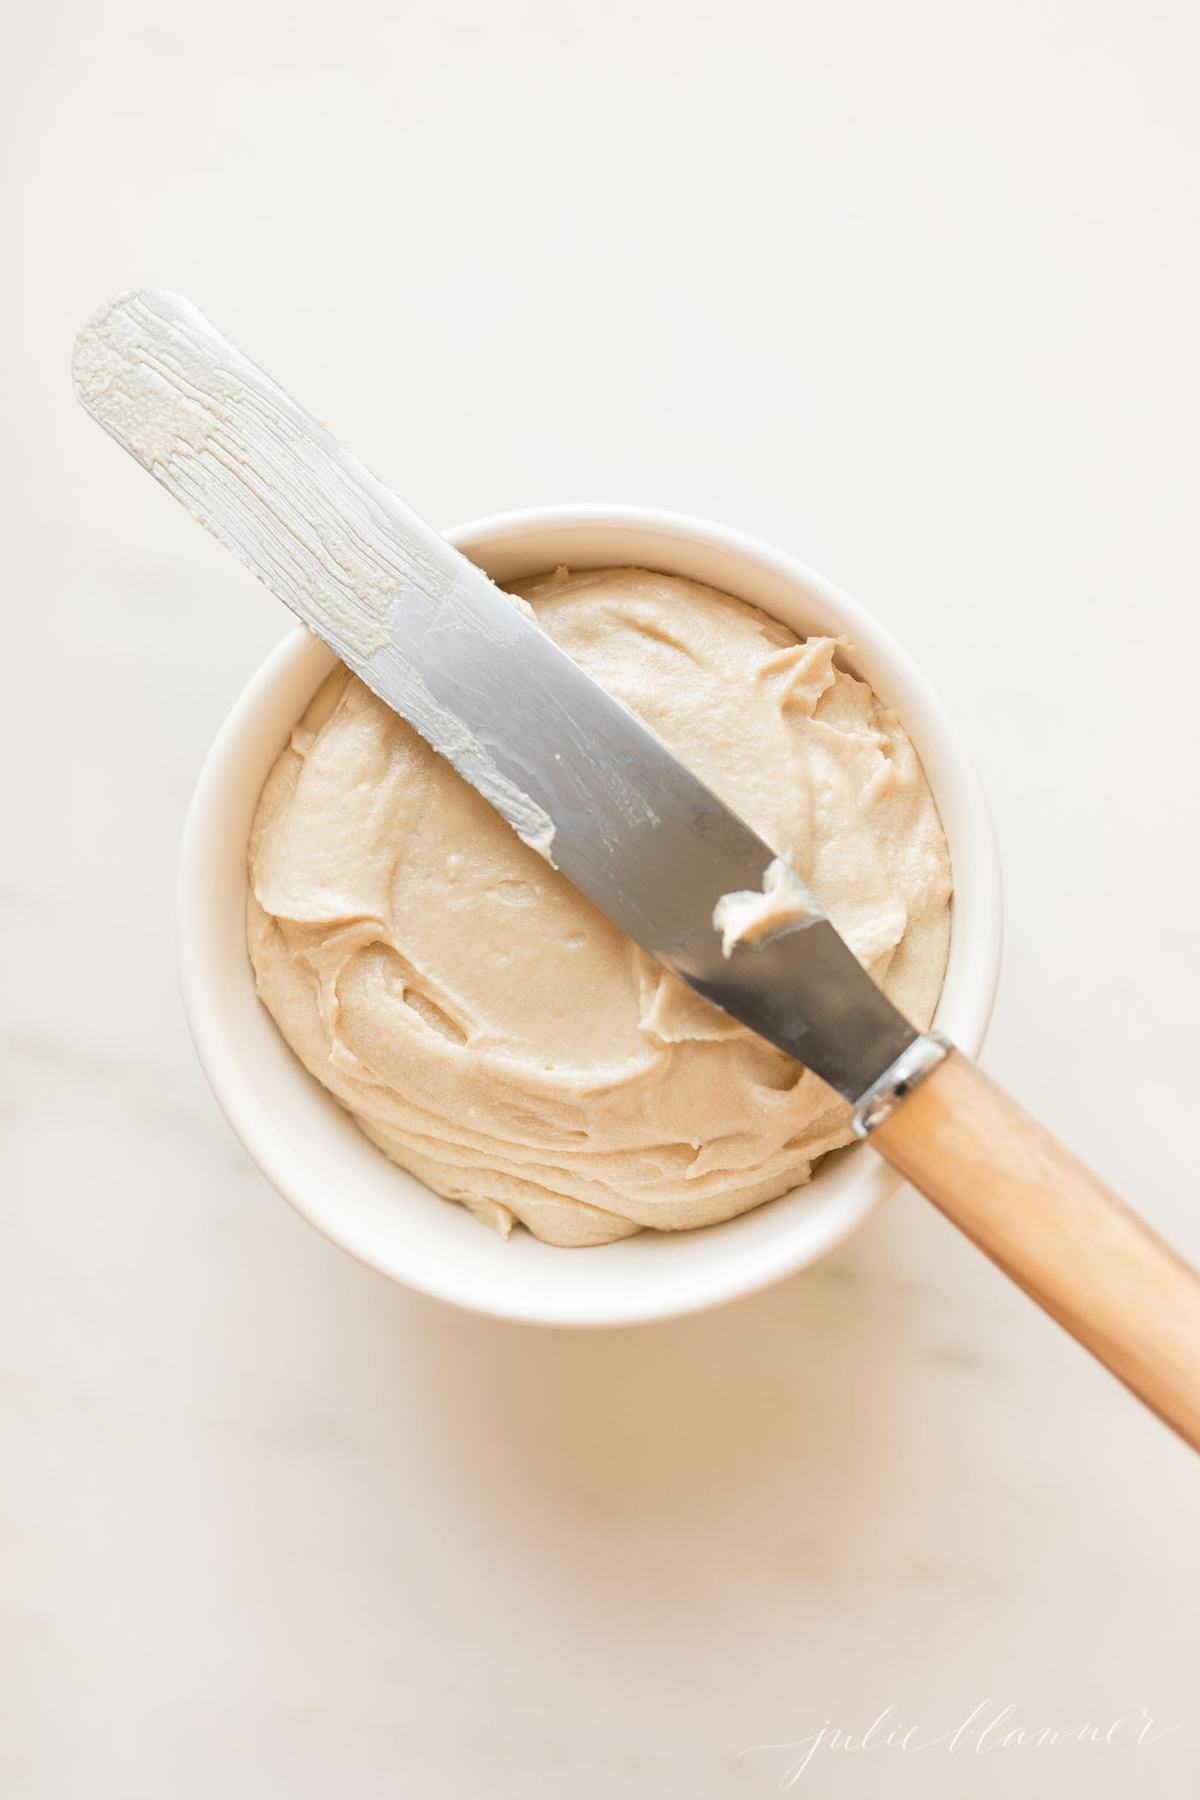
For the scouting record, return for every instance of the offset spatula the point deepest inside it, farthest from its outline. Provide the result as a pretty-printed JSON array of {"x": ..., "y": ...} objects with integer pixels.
[{"x": 590, "y": 787}]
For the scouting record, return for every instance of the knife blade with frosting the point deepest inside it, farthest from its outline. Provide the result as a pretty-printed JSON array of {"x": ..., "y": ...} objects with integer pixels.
[{"x": 590, "y": 787}]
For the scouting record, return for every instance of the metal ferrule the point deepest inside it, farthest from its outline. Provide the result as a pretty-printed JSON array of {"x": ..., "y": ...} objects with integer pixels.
[{"x": 909, "y": 1069}]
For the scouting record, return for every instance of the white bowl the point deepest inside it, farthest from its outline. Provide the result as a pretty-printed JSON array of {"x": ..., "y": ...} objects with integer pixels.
[{"x": 309, "y": 1148}]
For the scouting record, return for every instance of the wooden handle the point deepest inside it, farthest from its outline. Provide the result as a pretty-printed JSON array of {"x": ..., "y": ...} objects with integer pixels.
[{"x": 1058, "y": 1231}]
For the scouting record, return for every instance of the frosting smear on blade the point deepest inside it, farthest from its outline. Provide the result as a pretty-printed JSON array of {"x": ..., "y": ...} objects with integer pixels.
[
  {"x": 487, "y": 1027},
  {"x": 753, "y": 914}
]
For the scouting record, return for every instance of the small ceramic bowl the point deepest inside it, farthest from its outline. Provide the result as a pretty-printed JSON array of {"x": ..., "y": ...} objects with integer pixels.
[{"x": 310, "y": 1149}]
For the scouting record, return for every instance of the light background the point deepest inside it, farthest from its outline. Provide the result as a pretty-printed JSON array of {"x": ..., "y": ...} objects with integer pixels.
[{"x": 909, "y": 290}]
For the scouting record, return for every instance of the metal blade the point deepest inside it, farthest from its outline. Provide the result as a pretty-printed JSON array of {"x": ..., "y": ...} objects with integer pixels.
[{"x": 570, "y": 768}]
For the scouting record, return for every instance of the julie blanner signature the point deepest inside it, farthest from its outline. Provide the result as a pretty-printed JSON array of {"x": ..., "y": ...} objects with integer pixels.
[{"x": 990, "y": 1727}]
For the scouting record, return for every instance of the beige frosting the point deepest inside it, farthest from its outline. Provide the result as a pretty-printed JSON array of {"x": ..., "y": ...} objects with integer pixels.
[
  {"x": 752, "y": 914},
  {"x": 493, "y": 1032}
]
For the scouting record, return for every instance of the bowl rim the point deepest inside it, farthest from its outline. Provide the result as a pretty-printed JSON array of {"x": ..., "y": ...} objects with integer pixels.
[{"x": 742, "y": 1274}]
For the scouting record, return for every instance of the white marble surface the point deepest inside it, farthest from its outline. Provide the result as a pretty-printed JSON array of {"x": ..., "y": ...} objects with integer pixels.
[{"x": 909, "y": 290}]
